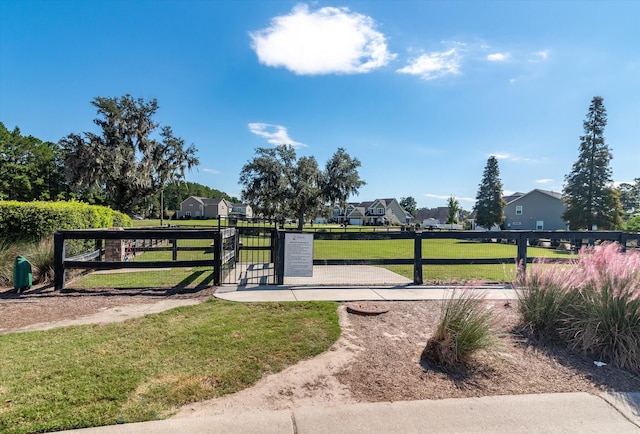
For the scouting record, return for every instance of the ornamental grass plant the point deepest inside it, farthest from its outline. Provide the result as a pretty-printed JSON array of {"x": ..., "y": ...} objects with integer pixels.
[
  {"x": 466, "y": 326},
  {"x": 592, "y": 305}
]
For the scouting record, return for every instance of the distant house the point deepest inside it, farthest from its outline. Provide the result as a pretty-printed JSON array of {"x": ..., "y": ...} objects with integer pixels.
[
  {"x": 536, "y": 210},
  {"x": 201, "y": 207},
  {"x": 241, "y": 211},
  {"x": 377, "y": 212},
  {"x": 436, "y": 216}
]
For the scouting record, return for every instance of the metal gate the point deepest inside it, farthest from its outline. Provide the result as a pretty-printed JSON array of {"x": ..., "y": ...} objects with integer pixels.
[{"x": 256, "y": 256}]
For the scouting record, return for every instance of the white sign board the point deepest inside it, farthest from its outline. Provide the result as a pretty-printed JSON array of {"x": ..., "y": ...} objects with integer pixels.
[{"x": 298, "y": 255}]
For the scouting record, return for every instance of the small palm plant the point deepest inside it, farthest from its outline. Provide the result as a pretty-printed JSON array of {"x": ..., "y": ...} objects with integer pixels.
[{"x": 465, "y": 327}]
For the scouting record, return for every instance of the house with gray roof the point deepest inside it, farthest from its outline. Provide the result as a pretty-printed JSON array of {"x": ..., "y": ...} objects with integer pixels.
[
  {"x": 376, "y": 212},
  {"x": 536, "y": 210},
  {"x": 203, "y": 208}
]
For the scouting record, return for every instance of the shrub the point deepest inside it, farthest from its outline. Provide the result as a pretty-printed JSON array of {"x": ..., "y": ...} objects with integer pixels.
[
  {"x": 34, "y": 221},
  {"x": 465, "y": 327},
  {"x": 40, "y": 256},
  {"x": 8, "y": 253},
  {"x": 593, "y": 305},
  {"x": 606, "y": 322},
  {"x": 545, "y": 295}
]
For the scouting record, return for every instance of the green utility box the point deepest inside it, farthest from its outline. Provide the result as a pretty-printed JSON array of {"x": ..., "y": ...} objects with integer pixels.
[{"x": 22, "y": 275}]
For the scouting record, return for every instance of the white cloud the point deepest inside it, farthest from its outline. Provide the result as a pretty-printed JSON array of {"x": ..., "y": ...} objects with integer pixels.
[
  {"x": 504, "y": 156},
  {"x": 447, "y": 196},
  {"x": 544, "y": 181},
  {"x": 212, "y": 171},
  {"x": 434, "y": 65},
  {"x": 275, "y": 134},
  {"x": 325, "y": 41},
  {"x": 539, "y": 56},
  {"x": 498, "y": 57}
]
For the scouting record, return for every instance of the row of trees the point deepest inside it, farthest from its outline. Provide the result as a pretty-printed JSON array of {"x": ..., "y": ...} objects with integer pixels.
[
  {"x": 30, "y": 169},
  {"x": 126, "y": 166},
  {"x": 278, "y": 184},
  {"x": 590, "y": 197}
]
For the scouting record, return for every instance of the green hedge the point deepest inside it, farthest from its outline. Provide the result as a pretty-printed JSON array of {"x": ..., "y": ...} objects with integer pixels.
[{"x": 33, "y": 221}]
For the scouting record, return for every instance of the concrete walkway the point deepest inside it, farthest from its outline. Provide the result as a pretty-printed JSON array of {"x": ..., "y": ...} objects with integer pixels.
[
  {"x": 543, "y": 413},
  {"x": 353, "y": 293},
  {"x": 540, "y": 413}
]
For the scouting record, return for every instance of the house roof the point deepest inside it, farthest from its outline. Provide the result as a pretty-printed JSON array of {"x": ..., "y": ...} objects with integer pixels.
[
  {"x": 553, "y": 194},
  {"x": 207, "y": 201},
  {"x": 512, "y": 197}
]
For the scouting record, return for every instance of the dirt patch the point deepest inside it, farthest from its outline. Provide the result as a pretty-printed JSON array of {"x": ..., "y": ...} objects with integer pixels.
[
  {"x": 43, "y": 305},
  {"x": 377, "y": 357}
]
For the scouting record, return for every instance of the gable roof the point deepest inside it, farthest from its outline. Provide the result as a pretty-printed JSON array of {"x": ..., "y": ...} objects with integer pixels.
[
  {"x": 552, "y": 194},
  {"x": 207, "y": 201}
]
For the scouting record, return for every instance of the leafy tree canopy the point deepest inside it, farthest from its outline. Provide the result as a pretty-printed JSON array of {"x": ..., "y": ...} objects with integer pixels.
[
  {"x": 409, "y": 204},
  {"x": 588, "y": 193},
  {"x": 630, "y": 197},
  {"x": 279, "y": 185},
  {"x": 132, "y": 157},
  {"x": 30, "y": 169},
  {"x": 489, "y": 203}
]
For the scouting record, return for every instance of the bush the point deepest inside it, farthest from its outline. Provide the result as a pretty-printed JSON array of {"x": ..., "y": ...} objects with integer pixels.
[
  {"x": 592, "y": 306},
  {"x": 545, "y": 294},
  {"x": 34, "y": 221},
  {"x": 633, "y": 224},
  {"x": 465, "y": 327},
  {"x": 40, "y": 256}
]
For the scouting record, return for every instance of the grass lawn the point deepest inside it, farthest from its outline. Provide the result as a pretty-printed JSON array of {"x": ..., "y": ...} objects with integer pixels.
[
  {"x": 332, "y": 249},
  {"x": 142, "y": 369}
]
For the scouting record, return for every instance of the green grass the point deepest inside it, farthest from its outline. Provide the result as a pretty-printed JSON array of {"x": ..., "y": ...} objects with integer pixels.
[
  {"x": 182, "y": 278},
  {"x": 441, "y": 274},
  {"x": 332, "y": 249},
  {"x": 144, "y": 368}
]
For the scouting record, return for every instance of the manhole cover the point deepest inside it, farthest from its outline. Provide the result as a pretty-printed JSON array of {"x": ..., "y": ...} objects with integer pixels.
[{"x": 366, "y": 309}]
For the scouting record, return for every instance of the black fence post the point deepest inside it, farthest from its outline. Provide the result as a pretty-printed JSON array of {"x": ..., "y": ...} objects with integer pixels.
[
  {"x": 58, "y": 258},
  {"x": 279, "y": 265},
  {"x": 217, "y": 258},
  {"x": 417, "y": 258},
  {"x": 521, "y": 260},
  {"x": 174, "y": 249}
]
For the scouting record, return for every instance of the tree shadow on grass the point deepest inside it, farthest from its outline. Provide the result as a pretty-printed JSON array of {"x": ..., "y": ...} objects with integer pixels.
[{"x": 196, "y": 282}]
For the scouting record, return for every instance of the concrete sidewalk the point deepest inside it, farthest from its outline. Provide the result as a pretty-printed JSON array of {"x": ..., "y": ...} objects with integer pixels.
[
  {"x": 353, "y": 293},
  {"x": 543, "y": 413}
]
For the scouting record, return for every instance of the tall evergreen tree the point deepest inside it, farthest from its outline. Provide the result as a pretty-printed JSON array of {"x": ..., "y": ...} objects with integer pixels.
[
  {"x": 588, "y": 193},
  {"x": 489, "y": 203},
  {"x": 453, "y": 208}
]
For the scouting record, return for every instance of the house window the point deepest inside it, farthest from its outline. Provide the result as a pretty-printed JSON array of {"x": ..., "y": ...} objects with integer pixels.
[
  {"x": 380, "y": 211},
  {"x": 539, "y": 225},
  {"x": 518, "y": 209},
  {"x": 188, "y": 213}
]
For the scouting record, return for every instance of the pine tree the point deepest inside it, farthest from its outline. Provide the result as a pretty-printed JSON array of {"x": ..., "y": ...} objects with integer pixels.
[
  {"x": 489, "y": 203},
  {"x": 589, "y": 195},
  {"x": 453, "y": 209}
]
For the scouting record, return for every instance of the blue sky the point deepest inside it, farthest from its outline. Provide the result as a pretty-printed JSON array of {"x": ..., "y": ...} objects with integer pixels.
[{"x": 422, "y": 92}]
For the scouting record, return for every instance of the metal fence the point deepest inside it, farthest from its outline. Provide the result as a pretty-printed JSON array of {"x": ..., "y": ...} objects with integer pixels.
[
  {"x": 254, "y": 255},
  {"x": 144, "y": 249}
]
